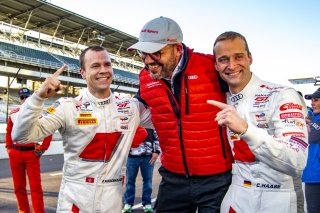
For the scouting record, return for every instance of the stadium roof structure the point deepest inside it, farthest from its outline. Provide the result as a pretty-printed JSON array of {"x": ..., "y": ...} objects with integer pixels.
[{"x": 42, "y": 16}]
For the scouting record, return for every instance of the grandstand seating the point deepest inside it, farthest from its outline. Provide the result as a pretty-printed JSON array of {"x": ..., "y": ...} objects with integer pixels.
[
  {"x": 72, "y": 62},
  {"x": 126, "y": 77},
  {"x": 57, "y": 60},
  {"x": 28, "y": 52}
]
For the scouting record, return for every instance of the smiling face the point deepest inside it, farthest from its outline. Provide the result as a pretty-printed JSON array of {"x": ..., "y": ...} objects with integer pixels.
[
  {"x": 233, "y": 63},
  {"x": 164, "y": 67},
  {"x": 97, "y": 71}
]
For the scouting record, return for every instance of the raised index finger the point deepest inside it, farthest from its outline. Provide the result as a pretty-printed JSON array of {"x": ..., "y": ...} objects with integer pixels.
[
  {"x": 59, "y": 71},
  {"x": 217, "y": 104}
]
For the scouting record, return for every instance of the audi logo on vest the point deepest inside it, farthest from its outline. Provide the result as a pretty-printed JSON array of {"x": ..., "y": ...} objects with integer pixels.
[
  {"x": 291, "y": 105},
  {"x": 192, "y": 77}
]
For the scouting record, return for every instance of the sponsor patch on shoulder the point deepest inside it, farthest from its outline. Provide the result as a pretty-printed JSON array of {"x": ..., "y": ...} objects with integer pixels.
[{"x": 51, "y": 110}]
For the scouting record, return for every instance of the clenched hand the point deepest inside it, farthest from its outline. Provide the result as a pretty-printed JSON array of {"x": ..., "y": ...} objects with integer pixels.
[{"x": 51, "y": 85}]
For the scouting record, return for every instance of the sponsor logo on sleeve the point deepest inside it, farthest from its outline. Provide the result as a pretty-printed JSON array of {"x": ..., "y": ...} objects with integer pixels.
[
  {"x": 291, "y": 115},
  {"x": 298, "y": 143},
  {"x": 51, "y": 110},
  {"x": 295, "y": 134},
  {"x": 293, "y": 123},
  {"x": 291, "y": 106}
]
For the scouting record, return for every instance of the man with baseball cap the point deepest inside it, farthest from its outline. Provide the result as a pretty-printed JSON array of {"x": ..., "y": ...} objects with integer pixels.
[
  {"x": 24, "y": 92},
  {"x": 316, "y": 94},
  {"x": 176, "y": 83},
  {"x": 311, "y": 173},
  {"x": 25, "y": 159}
]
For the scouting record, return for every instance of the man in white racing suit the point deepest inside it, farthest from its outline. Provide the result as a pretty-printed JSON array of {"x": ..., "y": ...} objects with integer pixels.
[
  {"x": 97, "y": 131},
  {"x": 267, "y": 133}
]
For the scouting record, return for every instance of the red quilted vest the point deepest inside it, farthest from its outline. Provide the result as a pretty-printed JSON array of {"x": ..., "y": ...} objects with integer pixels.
[{"x": 191, "y": 141}]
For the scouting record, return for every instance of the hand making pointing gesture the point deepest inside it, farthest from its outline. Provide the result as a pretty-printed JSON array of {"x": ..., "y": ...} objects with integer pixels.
[
  {"x": 51, "y": 85},
  {"x": 229, "y": 117}
]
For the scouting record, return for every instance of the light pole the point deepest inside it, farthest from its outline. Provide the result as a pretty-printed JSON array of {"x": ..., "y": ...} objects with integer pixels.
[{"x": 315, "y": 81}]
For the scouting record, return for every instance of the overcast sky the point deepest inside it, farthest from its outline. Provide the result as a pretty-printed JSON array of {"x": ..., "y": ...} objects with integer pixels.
[{"x": 283, "y": 35}]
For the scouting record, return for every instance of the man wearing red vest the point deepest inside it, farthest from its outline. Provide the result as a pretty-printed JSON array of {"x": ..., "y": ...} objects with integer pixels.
[
  {"x": 176, "y": 83},
  {"x": 25, "y": 158}
]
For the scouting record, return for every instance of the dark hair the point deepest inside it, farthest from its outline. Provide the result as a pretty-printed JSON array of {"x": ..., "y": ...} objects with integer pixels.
[
  {"x": 230, "y": 35},
  {"x": 95, "y": 48}
]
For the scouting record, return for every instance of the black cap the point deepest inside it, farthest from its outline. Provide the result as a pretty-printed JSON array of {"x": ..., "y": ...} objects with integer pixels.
[
  {"x": 316, "y": 94},
  {"x": 24, "y": 92}
]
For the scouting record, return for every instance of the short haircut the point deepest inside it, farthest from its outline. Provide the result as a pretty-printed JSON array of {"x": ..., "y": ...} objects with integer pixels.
[
  {"x": 95, "y": 48},
  {"x": 230, "y": 35}
]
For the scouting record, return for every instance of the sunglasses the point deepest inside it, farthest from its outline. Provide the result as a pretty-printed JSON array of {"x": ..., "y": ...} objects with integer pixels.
[
  {"x": 23, "y": 97},
  {"x": 156, "y": 56}
]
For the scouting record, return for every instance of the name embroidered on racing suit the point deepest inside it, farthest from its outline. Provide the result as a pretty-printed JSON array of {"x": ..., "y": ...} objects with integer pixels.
[
  {"x": 268, "y": 186},
  {"x": 112, "y": 180}
]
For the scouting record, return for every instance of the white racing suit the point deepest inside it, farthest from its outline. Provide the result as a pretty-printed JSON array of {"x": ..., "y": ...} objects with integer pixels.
[
  {"x": 97, "y": 136},
  {"x": 270, "y": 156}
]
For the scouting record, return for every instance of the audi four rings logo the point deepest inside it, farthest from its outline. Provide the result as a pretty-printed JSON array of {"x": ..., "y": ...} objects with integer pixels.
[
  {"x": 236, "y": 97},
  {"x": 192, "y": 77}
]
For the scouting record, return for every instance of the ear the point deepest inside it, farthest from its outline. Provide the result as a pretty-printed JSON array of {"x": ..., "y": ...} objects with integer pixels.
[
  {"x": 250, "y": 58},
  {"x": 83, "y": 73},
  {"x": 179, "y": 48}
]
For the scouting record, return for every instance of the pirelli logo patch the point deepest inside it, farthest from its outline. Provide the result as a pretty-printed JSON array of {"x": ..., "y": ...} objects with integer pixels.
[{"x": 86, "y": 121}]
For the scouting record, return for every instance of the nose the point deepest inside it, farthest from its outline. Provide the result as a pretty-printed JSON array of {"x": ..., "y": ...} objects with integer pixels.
[{"x": 232, "y": 63}]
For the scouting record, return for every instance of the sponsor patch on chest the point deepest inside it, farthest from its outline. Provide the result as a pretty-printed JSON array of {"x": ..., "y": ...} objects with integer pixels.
[{"x": 86, "y": 121}]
